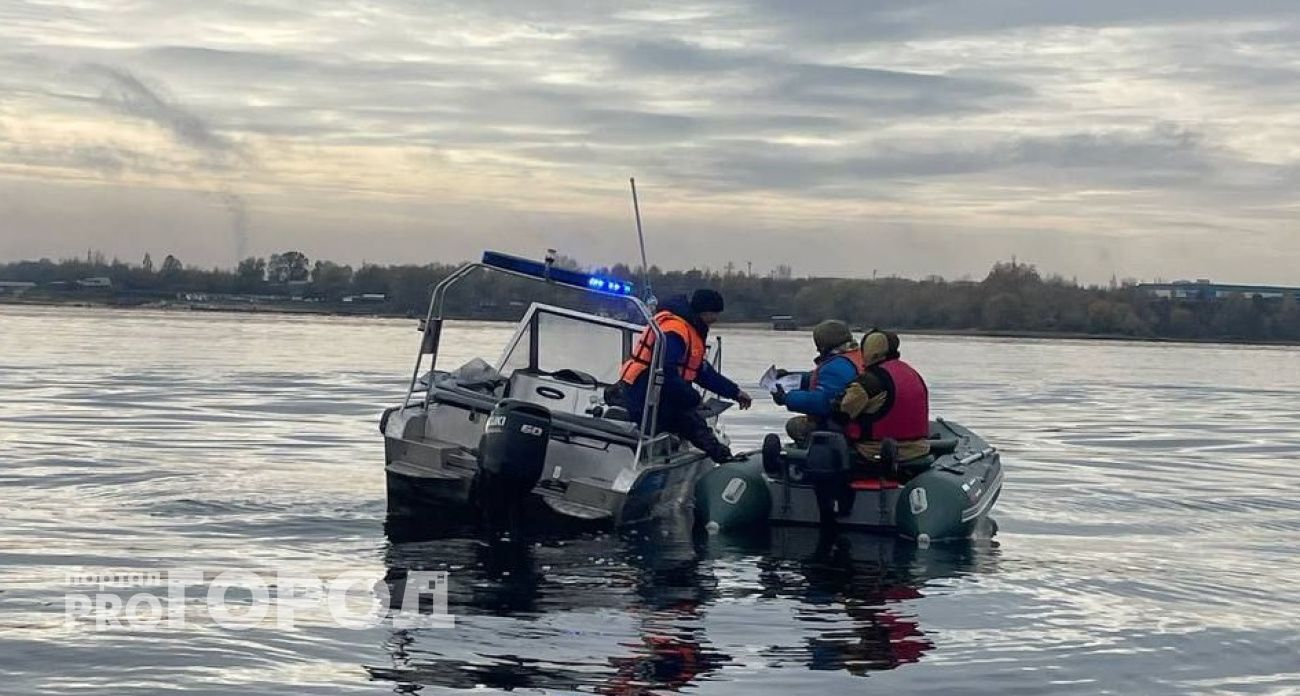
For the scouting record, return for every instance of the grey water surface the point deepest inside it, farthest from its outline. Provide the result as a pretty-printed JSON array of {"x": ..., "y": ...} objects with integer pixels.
[{"x": 1149, "y": 535}]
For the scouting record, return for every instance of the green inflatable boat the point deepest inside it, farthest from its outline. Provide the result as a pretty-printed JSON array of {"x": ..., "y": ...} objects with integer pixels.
[{"x": 944, "y": 495}]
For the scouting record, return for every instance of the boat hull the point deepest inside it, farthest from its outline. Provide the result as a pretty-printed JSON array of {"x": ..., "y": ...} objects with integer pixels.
[
  {"x": 656, "y": 493},
  {"x": 434, "y": 477},
  {"x": 947, "y": 500}
]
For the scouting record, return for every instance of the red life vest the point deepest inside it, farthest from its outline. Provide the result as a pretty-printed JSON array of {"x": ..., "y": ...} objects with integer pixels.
[
  {"x": 906, "y": 413},
  {"x": 643, "y": 353},
  {"x": 854, "y": 356}
]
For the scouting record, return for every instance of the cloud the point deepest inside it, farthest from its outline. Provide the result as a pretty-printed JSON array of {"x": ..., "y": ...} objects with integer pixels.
[
  {"x": 1117, "y": 158},
  {"x": 105, "y": 159},
  {"x": 776, "y": 78},
  {"x": 900, "y": 20},
  {"x": 243, "y": 62},
  {"x": 128, "y": 95},
  {"x": 988, "y": 119}
]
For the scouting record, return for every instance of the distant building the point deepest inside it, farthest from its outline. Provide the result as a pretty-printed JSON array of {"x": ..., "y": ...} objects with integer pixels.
[
  {"x": 1203, "y": 289},
  {"x": 15, "y": 287},
  {"x": 96, "y": 282},
  {"x": 784, "y": 322}
]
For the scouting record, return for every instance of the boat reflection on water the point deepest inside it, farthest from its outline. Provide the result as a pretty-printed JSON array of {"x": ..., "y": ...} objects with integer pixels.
[
  {"x": 628, "y": 613},
  {"x": 847, "y": 588}
]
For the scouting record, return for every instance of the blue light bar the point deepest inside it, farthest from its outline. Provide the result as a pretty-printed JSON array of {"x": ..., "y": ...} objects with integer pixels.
[{"x": 563, "y": 276}]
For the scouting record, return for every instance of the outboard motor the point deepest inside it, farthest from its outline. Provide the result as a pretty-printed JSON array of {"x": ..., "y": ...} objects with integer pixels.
[
  {"x": 826, "y": 467},
  {"x": 511, "y": 455}
]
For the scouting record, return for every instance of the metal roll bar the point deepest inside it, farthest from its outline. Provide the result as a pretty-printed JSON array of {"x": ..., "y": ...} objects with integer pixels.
[{"x": 432, "y": 334}]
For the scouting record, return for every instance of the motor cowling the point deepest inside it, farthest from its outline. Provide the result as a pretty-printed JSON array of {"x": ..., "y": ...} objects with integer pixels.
[{"x": 511, "y": 456}]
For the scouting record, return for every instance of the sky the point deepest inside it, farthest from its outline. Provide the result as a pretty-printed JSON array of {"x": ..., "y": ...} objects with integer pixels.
[{"x": 1150, "y": 140}]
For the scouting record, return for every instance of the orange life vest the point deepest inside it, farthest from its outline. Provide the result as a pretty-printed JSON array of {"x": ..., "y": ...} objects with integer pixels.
[{"x": 643, "y": 353}]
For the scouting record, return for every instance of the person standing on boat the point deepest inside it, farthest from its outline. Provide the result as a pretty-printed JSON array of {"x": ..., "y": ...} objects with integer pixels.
[
  {"x": 888, "y": 400},
  {"x": 838, "y": 363},
  {"x": 685, "y": 325}
]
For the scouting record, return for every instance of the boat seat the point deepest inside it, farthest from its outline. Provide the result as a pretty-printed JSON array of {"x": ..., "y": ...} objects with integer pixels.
[
  {"x": 575, "y": 377},
  {"x": 617, "y": 413},
  {"x": 623, "y": 432},
  {"x": 562, "y": 391}
]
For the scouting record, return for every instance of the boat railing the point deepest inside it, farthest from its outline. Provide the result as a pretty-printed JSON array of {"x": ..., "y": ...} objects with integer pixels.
[{"x": 543, "y": 273}]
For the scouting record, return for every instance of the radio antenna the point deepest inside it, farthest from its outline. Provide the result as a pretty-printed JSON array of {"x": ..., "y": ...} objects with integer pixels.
[{"x": 645, "y": 267}]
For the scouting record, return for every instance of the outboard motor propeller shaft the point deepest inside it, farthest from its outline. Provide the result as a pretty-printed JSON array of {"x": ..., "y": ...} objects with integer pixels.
[{"x": 511, "y": 456}]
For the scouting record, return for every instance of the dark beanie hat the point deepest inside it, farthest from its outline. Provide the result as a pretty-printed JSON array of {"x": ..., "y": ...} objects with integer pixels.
[{"x": 706, "y": 300}]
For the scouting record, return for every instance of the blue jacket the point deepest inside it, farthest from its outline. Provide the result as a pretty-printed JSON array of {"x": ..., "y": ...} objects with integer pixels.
[
  {"x": 833, "y": 376},
  {"x": 678, "y": 394}
]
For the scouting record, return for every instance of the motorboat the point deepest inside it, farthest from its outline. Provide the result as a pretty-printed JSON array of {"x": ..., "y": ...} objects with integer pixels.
[
  {"x": 533, "y": 436},
  {"x": 945, "y": 494}
]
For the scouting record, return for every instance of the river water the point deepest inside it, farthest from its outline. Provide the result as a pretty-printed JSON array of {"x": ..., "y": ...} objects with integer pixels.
[{"x": 1149, "y": 529}]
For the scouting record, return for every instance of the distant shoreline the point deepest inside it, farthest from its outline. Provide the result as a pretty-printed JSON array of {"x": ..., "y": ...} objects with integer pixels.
[
  {"x": 86, "y": 303},
  {"x": 1045, "y": 335}
]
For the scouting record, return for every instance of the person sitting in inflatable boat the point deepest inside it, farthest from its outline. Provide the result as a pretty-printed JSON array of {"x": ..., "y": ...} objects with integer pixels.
[
  {"x": 889, "y": 400},
  {"x": 839, "y": 361}
]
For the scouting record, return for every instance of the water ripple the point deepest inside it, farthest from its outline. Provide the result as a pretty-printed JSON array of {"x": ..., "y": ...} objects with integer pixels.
[{"x": 1148, "y": 538}]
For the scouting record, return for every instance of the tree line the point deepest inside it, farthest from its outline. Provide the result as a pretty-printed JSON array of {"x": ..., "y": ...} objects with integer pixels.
[{"x": 1012, "y": 298}]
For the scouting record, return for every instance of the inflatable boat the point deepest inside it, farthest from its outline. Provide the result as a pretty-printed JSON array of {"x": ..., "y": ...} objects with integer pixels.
[{"x": 944, "y": 495}]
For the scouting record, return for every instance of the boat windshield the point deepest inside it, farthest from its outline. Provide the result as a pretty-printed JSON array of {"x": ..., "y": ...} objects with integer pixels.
[{"x": 551, "y": 339}]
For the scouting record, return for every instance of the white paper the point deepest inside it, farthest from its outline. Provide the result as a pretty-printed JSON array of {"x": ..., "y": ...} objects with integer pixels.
[{"x": 769, "y": 381}]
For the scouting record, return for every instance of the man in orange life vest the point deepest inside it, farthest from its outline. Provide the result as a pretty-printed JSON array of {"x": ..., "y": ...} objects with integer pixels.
[
  {"x": 686, "y": 330},
  {"x": 837, "y": 364},
  {"x": 888, "y": 400}
]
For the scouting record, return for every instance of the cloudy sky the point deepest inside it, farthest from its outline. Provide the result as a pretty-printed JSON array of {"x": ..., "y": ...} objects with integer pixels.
[{"x": 1152, "y": 139}]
